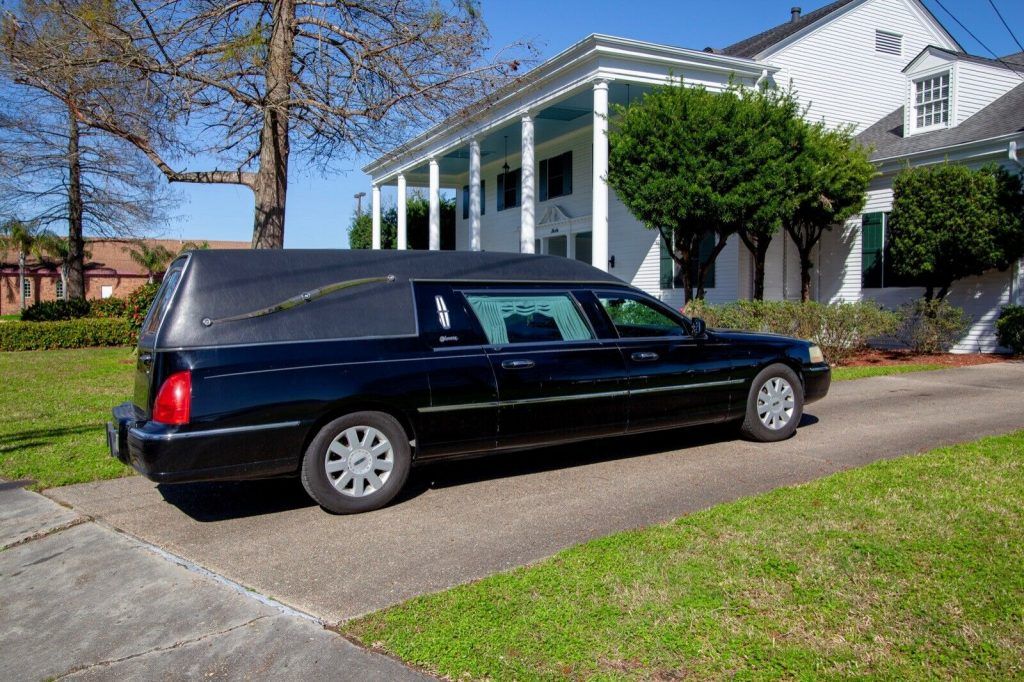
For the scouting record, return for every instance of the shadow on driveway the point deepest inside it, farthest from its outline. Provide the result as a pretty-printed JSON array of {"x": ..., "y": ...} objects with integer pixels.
[{"x": 209, "y": 502}]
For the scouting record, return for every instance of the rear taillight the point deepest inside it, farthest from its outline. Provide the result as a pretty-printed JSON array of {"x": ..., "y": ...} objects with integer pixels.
[{"x": 174, "y": 401}]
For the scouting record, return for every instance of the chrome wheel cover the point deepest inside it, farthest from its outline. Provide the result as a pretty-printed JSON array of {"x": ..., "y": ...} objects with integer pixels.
[
  {"x": 775, "y": 403},
  {"x": 359, "y": 461}
]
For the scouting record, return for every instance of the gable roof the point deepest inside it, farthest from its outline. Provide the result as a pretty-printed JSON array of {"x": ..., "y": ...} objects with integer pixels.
[
  {"x": 755, "y": 45},
  {"x": 1002, "y": 117},
  {"x": 1014, "y": 62}
]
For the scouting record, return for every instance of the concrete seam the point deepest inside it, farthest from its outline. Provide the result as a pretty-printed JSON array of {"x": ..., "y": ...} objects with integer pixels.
[
  {"x": 216, "y": 577},
  {"x": 46, "y": 532},
  {"x": 159, "y": 649}
]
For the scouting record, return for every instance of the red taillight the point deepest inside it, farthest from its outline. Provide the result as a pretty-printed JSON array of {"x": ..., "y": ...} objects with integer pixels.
[{"x": 174, "y": 401}]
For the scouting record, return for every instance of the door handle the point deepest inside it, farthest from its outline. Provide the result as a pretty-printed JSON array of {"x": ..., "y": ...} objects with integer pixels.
[
  {"x": 645, "y": 356},
  {"x": 518, "y": 364}
]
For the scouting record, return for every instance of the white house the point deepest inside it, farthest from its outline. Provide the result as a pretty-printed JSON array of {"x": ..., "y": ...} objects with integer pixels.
[{"x": 528, "y": 163}]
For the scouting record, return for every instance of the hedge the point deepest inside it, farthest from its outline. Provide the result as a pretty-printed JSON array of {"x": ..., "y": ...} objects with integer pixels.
[
  {"x": 51, "y": 311},
  {"x": 80, "y": 333}
]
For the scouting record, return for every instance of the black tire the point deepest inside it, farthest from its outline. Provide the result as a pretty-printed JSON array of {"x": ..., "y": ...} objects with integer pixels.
[
  {"x": 327, "y": 488},
  {"x": 753, "y": 427}
]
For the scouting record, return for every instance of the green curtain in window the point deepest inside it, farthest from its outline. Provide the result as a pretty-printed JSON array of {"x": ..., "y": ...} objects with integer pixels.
[{"x": 493, "y": 311}]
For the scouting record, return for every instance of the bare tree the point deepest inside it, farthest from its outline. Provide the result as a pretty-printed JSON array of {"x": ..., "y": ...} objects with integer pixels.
[{"x": 247, "y": 82}]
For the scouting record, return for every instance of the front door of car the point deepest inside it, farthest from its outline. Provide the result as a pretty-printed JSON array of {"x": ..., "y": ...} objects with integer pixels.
[
  {"x": 556, "y": 380},
  {"x": 674, "y": 378}
]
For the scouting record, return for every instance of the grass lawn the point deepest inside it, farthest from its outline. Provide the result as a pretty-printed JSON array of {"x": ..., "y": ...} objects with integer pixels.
[
  {"x": 53, "y": 407},
  {"x": 909, "y": 568},
  {"x": 6, "y": 318},
  {"x": 862, "y": 372}
]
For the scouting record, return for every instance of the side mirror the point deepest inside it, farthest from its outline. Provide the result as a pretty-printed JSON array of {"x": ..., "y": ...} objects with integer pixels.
[{"x": 698, "y": 326}]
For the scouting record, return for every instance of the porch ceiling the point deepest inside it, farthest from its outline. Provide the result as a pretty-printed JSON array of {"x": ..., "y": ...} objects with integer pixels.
[{"x": 566, "y": 116}]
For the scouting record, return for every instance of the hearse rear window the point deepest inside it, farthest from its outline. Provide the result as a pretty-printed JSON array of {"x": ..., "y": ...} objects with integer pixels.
[
  {"x": 526, "y": 318},
  {"x": 163, "y": 297}
]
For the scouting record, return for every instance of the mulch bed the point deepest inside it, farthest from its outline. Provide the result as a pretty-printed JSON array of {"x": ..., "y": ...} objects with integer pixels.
[{"x": 874, "y": 357}]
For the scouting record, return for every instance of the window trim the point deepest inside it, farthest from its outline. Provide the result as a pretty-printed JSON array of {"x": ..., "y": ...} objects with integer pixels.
[{"x": 59, "y": 289}]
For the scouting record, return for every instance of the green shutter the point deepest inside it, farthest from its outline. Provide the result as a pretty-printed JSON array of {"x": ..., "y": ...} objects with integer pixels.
[
  {"x": 544, "y": 180},
  {"x": 668, "y": 267},
  {"x": 483, "y": 198},
  {"x": 871, "y": 250},
  {"x": 465, "y": 202},
  {"x": 501, "y": 191},
  {"x": 567, "y": 174}
]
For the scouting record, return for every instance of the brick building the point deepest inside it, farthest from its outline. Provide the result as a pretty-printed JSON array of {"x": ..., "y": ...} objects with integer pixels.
[{"x": 109, "y": 271}]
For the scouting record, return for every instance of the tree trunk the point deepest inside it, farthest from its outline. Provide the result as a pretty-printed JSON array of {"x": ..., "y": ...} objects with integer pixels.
[
  {"x": 74, "y": 287},
  {"x": 703, "y": 268},
  {"x": 759, "y": 258},
  {"x": 271, "y": 185}
]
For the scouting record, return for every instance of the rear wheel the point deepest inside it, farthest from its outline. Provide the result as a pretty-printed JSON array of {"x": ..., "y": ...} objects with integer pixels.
[
  {"x": 357, "y": 463},
  {"x": 775, "y": 405}
]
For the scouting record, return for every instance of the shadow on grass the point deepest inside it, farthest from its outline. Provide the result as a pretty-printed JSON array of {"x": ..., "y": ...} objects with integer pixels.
[
  {"x": 209, "y": 502},
  {"x": 22, "y": 440}
]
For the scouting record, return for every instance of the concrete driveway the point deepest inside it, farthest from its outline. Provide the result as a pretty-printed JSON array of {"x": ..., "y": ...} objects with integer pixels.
[{"x": 464, "y": 520}]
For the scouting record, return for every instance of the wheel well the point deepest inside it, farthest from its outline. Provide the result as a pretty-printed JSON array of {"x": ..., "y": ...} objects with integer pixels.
[{"x": 348, "y": 408}]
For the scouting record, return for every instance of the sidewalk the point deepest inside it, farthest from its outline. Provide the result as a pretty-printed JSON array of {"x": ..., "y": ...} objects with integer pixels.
[{"x": 81, "y": 601}]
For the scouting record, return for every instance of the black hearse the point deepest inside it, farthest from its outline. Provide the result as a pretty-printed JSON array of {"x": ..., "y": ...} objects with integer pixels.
[{"x": 346, "y": 367}]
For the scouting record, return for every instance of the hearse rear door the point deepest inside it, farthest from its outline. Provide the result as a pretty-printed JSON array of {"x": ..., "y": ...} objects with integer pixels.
[
  {"x": 462, "y": 416},
  {"x": 557, "y": 381}
]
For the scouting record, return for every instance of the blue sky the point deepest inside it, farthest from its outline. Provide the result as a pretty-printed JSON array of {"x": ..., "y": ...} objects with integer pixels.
[{"x": 320, "y": 206}]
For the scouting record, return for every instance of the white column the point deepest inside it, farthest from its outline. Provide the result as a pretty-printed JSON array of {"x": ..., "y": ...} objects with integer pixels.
[
  {"x": 435, "y": 206},
  {"x": 528, "y": 207},
  {"x": 599, "y": 212},
  {"x": 403, "y": 237},
  {"x": 474, "y": 195},
  {"x": 375, "y": 194}
]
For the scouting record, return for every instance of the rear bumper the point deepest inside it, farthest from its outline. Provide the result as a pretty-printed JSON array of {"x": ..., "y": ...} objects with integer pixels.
[
  {"x": 168, "y": 454},
  {"x": 817, "y": 380}
]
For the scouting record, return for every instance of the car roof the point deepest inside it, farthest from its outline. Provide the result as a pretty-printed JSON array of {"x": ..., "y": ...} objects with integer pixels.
[{"x": 219, "y": 284}]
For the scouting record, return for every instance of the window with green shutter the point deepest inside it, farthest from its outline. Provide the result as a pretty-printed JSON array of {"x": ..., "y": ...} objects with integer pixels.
[
  {"x": 556, "y": 176},
  {"x": 872, "y": 251},
  {"x": 669, "y": 269}
]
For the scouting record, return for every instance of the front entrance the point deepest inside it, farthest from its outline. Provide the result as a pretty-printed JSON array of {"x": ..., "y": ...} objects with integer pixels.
[{"x": 572, "y": 244}]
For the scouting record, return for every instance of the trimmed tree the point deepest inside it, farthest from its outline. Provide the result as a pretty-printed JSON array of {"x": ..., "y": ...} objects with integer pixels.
[
  {"x": 688, "y": 162},
  {"x": 832, "y": 176},
  {"x": 949, "y": 222}
]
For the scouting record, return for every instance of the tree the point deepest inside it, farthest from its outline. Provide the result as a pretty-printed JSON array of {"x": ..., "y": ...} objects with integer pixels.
[
  {"x": 687, "y": 162},
  {"x": 55, "y": 170},
  {"x": 417, "y": 215},
  {"x": 50, "y": 245},
  {"x": 22, "y": 238},
  {"x": 832, "y": 176},
  {"x": 153, "y": 259},
  {"x": 244, "y": 81},
  {"x": 949, "y": 222}
]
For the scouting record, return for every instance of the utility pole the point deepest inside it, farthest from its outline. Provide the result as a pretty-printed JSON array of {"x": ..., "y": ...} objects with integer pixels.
[{"x": 359, "y": 203}]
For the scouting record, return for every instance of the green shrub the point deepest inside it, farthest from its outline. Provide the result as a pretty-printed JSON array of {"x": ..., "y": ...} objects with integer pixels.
[
  {"x": 83, "y": 332},
  {"x": 840, "y": 329},
  {"x": 1011, "y": 328},
  {"x": 931, "y": 326},
  {"x": 49, "y": 311},
  {"x": 108, "y": 307},
  {"x": 137, "y": 304}
]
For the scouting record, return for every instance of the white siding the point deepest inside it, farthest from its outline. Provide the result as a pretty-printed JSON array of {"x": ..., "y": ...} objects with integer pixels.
[
  {"x": 837, "y": 72},
  {"x": 978, "y": 85}
]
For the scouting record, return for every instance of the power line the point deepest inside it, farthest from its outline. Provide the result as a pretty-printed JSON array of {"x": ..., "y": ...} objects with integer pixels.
[
  {"x": 1008, "y": 29},
  {"x": 976, "y": 39}
]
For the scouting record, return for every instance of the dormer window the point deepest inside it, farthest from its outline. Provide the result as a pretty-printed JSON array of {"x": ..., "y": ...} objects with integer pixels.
[{"x": 931, "y": 101}]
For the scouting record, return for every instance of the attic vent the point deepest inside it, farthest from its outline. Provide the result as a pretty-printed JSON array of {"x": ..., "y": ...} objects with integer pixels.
[{"x": 889, "y": 43}]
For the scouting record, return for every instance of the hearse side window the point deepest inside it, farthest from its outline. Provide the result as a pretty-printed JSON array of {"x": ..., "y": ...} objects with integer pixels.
[
  {"x": 636, "y": 318},
  {"x": 163, "y": 297},
  {"x": 527, "y": 317}
]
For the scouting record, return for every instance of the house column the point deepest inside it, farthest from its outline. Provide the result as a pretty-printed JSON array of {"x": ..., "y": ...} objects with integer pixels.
[
  {"x": 474, "y": 195},
  {"x": 435, "y": 206},
  {"x": 375, "y": 195},
  {"x": 529, "y": 205},
  {"x": 599, "y": 212},
  {"x": 403, "y": 237}
]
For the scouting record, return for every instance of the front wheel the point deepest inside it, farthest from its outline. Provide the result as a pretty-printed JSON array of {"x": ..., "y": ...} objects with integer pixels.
[
  {"x": 775, "y": 405},
  {"x": 357, "y": 463}
]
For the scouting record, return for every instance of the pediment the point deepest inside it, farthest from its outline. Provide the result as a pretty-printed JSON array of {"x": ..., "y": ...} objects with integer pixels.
[{"x": 554, "y": 214}]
